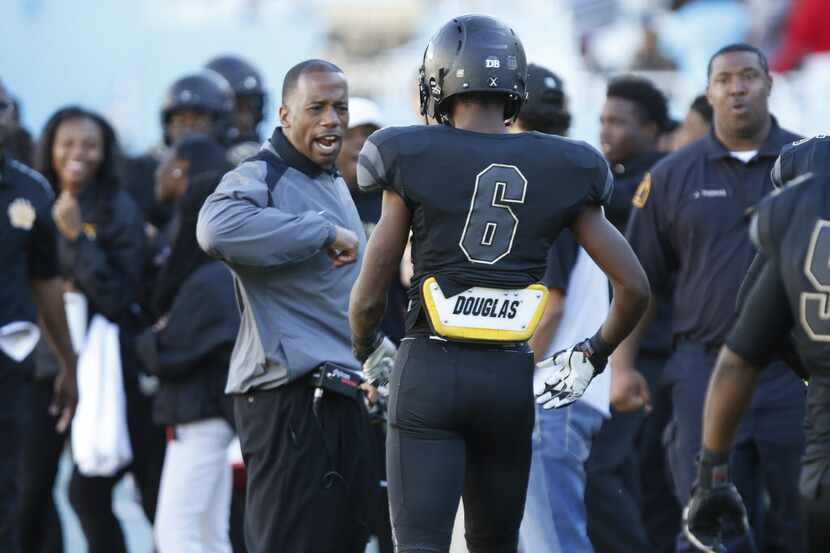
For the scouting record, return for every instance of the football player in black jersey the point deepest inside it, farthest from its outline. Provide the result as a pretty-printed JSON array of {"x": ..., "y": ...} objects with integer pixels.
[
  {"x": 484, "y": 207},
  {"x": 788, "y": 300}
]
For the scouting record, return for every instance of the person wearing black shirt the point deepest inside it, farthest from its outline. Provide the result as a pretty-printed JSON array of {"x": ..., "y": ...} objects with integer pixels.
[
  {"x": 30, "y": 288},
  {"x": 484, "y": 207},
  {"x": 783, "y": 304},
  {"x": 687, "y": 229},
  {"x": 100, "y": 250}
]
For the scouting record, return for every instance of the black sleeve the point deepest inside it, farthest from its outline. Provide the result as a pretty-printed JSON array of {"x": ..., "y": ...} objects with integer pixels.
[
  {"x": 591, "y": 171},
  {"x": 195, "y": 327},
  {"x": 375, "y": 163},
  {"x": 810, "y": 155},
  {"x": 751, "y": 277},
  {"x": 771, "y": 218},
  {"x": 42, "y": 250},
  {"x": 108, "y": 269},
  {"x": 561, "y": 260},
  {"x": 764, "y": 319},
  {"x": 603, "y": 187}
]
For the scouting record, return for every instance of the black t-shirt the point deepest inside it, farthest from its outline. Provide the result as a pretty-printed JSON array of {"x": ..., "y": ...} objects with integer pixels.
[
  {"x": 28, "y": 246},
  {"x": 561, "y": 261},
  {"x": 485, "y": 207}
]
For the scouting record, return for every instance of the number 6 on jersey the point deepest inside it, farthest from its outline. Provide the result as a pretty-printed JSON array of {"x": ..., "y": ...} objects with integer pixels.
[{"x": 491, "y": 224}]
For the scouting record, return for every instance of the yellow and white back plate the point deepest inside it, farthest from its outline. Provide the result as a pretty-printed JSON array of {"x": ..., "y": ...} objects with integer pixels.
[{"x": 484, "y": 314}]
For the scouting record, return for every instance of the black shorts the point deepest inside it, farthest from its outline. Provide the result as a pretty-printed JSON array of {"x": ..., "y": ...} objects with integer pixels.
[{"x": 460, "y": 423}]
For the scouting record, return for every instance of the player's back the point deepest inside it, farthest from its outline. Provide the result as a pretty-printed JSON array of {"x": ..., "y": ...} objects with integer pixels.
[
  {"x": 793, "y": 228},
  {"x": 485, "y": 207}
]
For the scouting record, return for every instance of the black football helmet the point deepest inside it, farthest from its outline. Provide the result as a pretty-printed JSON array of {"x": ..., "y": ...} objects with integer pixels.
[
  {"x": 545, "y": 109},
  {"x": 243, "y": 77},
  {"x": 472, "y": 53},
  {"x": 249, "y": 90},
  {"x": 799, "y": 160},
  {"x": 206, "y": 91}
]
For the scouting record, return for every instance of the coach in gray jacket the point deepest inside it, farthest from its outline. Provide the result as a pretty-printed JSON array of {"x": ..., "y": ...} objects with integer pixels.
[{"x": 284, "y": 222}]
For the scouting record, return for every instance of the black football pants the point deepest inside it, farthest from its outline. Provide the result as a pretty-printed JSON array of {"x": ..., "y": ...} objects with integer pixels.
[{"x": 460, "y": 424}]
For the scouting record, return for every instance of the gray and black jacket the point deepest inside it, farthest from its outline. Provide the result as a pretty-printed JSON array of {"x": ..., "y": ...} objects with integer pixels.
[{"x": 270, "y": 220}]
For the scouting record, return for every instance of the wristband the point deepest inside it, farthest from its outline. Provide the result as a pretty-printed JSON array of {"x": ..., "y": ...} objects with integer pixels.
[
  {"x": 362, "y": 347},
  {"x": 600, "y": 346},
  {"x": 713, "y": 469}
]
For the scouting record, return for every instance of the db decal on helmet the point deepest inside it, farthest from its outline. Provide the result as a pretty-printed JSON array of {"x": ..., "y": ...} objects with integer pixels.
[{"x": 641, "y": 196}]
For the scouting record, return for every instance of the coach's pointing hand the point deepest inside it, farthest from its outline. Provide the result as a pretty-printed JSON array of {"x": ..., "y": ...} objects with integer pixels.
[{"x": 343, "y": 250}]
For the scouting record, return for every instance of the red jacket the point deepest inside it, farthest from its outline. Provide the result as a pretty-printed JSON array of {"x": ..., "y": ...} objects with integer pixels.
[{"x": 808, "y": 31}]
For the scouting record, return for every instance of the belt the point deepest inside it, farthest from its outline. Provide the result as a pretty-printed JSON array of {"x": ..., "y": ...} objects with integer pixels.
[{"x": 474, "y": 345}]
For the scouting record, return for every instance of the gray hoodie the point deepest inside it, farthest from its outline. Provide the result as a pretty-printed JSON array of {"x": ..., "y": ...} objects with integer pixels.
[{"x": 269, "y": 221}]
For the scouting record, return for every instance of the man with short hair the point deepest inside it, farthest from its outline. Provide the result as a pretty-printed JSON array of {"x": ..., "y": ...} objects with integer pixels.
[
  {"x": 31, "y": 290},
  {"x": 687, "y": 231},
  {"x": 484, "y": 207},
  {"x": 284, "y": 223}
]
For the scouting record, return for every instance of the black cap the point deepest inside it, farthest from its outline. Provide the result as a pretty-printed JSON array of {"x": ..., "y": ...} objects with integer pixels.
[{"x": 544, "y": 87}]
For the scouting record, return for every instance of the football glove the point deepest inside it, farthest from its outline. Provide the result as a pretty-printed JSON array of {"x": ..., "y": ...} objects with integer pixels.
[
  {"x": 715, "y": 505},
  {"x": 378, "y": 357},
  {"x": 573, "y": 370}
]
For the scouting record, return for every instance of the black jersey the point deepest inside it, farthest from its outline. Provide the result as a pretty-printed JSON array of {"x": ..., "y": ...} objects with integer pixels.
[
  {"x": 485, "y": 207},
  {"x": 792, "y": 229},
  {"x": 809, "y": 156}
]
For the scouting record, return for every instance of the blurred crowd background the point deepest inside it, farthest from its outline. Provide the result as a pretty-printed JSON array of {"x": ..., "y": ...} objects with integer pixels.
[{"x": 119, "y": 57}]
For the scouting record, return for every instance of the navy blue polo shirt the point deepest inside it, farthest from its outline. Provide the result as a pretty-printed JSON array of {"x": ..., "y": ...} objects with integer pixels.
[
  {"x": 561, "y": 261},
  {"x": 688, "y": 229},
  {"x": 27, "y": 247}
]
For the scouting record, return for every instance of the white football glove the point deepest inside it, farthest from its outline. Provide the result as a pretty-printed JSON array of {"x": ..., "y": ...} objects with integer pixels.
[
  {"x": 378, "y": 366},
  {"x": 572, "y": 372}
]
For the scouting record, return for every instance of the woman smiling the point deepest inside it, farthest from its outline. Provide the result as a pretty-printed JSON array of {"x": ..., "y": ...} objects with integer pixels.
[{"x": 100, "y": 250}]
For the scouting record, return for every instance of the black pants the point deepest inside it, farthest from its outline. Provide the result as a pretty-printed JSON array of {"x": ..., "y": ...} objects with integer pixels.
[
  {"x": 379, "y": 523},
  {"x": 310, "y": 478},
  {"x": 661, "y": 511},
  {"x": 38, "y": 521},
  {"x": 460, "y": 423},
  {"x": 614, "y": 490},
  {"x": 14, "y": 397},
  {"x": 91, "y": 497},
  {"x": 816, "y": 511}
]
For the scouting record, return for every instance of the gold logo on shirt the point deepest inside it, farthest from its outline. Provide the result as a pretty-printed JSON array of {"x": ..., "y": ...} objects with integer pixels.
[
  {"x": 641, "y": 196},
  {"x": 90, "y": 231},
  {"x": 22, "y": 214}
]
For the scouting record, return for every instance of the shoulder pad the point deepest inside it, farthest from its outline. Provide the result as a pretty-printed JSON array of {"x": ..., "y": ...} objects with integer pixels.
[{"x": 809, "y": 156}]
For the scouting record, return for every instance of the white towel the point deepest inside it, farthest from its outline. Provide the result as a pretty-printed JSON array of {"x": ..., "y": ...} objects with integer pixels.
[
  {"x": 18, "y": 339},
  {"x": 100, "y": 439}
]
